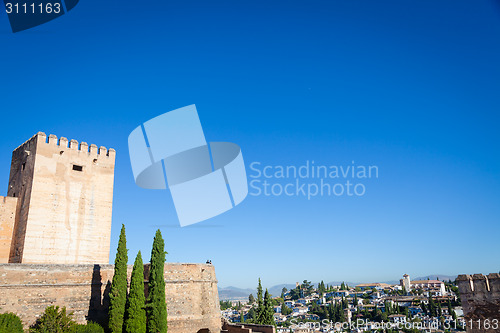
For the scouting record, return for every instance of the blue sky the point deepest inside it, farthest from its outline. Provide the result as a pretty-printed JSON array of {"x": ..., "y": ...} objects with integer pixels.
[{"x": 409, "y": 86}]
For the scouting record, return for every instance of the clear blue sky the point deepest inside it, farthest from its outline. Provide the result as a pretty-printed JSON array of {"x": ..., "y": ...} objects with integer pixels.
[{"x": 410, "y": 86}]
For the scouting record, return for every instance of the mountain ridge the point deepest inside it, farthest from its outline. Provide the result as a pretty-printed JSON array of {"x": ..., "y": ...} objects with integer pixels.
[{"x": 233, "y": 293}]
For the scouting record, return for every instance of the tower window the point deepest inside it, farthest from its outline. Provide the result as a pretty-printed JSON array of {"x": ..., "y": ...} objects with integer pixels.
[
  {"x": 77, "y": 167},
  {"x": 24, "y": 165}
]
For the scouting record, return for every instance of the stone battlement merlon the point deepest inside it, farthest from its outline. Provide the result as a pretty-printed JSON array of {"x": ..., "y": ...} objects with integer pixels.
[
  {"x": 480, "y": 297},
  {"x": 478, "y": 283},
  {"x": 70, "y": 144},
  {"x": 4, "y": 200}
]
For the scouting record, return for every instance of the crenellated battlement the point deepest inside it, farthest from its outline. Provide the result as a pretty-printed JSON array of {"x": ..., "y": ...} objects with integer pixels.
[
  {"x": 478, "y": 283},
  {"x": 65, "y": 191},
  {"x": 480, "y": 300},
  {"x": 72, "y": 144},
  {"x": 7, "y": 200}
]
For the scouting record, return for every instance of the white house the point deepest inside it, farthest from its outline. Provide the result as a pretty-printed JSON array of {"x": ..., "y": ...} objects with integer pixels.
[{"x": 397, "y": 318}]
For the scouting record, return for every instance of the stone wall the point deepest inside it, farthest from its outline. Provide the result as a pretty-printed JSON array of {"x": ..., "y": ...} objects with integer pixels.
[
  {"x": 480, "y": 297},
  {"x": 66, "y": 194},
  {"x": 27, "y": 289},
  {"x": 247, "y": 328},
  {"x": 8, "y": 208},
  {"x": 20, "y": 185}
]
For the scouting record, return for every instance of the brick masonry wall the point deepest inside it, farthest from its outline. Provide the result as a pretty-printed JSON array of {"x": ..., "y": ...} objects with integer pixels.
[{"x": 27, "y": 289}]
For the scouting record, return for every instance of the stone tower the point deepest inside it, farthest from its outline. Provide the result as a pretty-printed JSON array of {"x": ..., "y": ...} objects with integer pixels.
[
  {"x": 64, "y": 193},
  {"x": 405, "y": 282},
  {"x": 481, "y": 302}
]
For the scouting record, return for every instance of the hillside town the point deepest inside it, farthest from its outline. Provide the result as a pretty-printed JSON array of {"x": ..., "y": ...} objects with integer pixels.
[{"x": 410, "y": 306}]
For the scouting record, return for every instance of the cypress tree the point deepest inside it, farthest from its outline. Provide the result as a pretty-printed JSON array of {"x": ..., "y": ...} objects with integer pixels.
[
  {"x": 118, "y": 292},
  {"x": 156, "y": 305},
  {"x": 432, "y": 306},
  {"x": 260, "y": 303},
  {"x": 135, "y": 313},
  {"x": 424, "y": 309},
  {"x": 266, "y": 317}
]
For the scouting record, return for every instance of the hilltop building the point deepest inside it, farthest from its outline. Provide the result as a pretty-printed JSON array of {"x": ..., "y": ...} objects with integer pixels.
[{"x": 433, "y": 288}]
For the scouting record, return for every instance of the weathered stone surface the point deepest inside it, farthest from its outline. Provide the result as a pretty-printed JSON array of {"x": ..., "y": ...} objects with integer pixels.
[
  {"x": 55, "y": 230},
  {"x": 7, "y": 221},
  {"x": 481, "y": 302},
  {"x": 27, "y": 289},
  {"x": 65, "y": 194}
]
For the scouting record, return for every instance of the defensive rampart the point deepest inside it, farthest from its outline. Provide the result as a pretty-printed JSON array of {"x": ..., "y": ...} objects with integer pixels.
[
  {"x": 481, "y": 302},
  {"x": 27, "y": 289}
]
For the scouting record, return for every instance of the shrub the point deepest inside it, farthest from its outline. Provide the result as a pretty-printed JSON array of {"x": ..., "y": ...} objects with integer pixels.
[
  {"x": 54, "y": 320},
  {"x": 10, "y": 323},
  {"x": 90, "y": 327}
]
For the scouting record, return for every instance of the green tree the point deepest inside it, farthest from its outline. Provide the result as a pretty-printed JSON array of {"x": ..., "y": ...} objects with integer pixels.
[
  {"x": 432, "y": 306},
  {"x": 118, "y": 292},
  {"x": 341, "y": 313},
  {"x": 424, "y": 308},
  {"x": 54, "y": 320},
  {"x": 266, "y": 316},
  {"x": 90, "y": 327},
  {"x": 451, "y": 312},
  {"x": 283, "y": 291},
  {"x": 387, "y": 309},
  {"x": 225, "y": 305},
  {"x": 10, "y": 323},
  {"x": 295, "y": 293},
  {"x": 156, "y": 305},
  {"x": 251, "y": 299},
  {"x": 307, "y": 288},
  {"x": 135, "y": 310},
  {"x": 251, "y": 314},
  {"x": 285, "y": 310},
  {"x": 260, "y": 302}
]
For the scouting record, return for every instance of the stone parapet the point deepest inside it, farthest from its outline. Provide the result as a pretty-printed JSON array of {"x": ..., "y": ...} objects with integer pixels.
[{"x": 27, "y": 289}]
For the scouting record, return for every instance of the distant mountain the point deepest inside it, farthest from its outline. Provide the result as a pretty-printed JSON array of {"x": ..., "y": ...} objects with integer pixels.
[
  {"x": 338, "y": 283},
  {"x": 275, "y": 291},
  {"x": 240, "y": 294},
  {"x": 440, "y": 277},
  {"x": 235, "y": 293}
]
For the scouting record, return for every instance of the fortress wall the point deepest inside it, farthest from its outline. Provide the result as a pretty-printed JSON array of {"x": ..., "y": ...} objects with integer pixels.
[
  {"x": 27, "y": 289},
  {"x": 67, "y": 196},
  {"x": 8, "y": 207},
  {"x": 20, "y": 185},
  {"x": 481, "y": 301}
]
